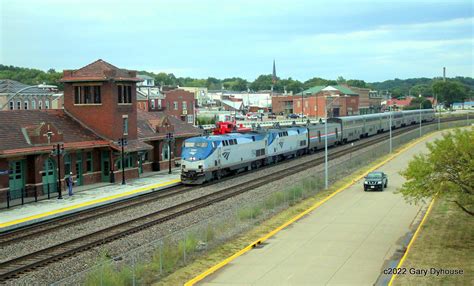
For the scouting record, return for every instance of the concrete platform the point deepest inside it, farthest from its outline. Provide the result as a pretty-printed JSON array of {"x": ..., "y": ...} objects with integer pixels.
[
  {"x": 88, "y": 197},
  {"x": 343, "y": 242}
]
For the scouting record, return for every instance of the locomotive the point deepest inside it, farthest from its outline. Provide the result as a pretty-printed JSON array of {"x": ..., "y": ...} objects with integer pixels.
[{"x": 212, "y": 157}]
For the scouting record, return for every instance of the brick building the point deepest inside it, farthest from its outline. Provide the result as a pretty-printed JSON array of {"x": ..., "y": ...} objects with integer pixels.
[
  {"x": 369, "y": 100},
  {"x": 337, "y": 100},
  {"x": 283, "y": 104},
  {"x": 99, "y": 109},
  {"x": 179, "y": 103}
]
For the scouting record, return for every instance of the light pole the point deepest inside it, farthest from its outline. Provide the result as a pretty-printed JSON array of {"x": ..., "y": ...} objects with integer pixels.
[
  {"x": 11, "y": 97},
  {"x": 326, "y": 183},
  {"x": 439, "y": 113},
  {"x": 123, "y": 141},
  {"x": 420, "y": 112},
  {"x": 170, "y": 139},
  {"x": 390, "y": 127},
  {"x": 302, "y": 105},
  {"x": 58, "y": 151},
  {"x": 326, "y": 173}
]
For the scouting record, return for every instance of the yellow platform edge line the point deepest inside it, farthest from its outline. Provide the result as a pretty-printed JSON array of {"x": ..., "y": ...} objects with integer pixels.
[
  {"x": 84, "y": 204},
  {"x": 418, "y": 229},
  {"x": 297, "y": 217}
]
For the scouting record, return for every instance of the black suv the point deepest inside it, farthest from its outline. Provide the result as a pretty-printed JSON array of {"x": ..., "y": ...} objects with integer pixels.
[{"x": 375, "y": 181}]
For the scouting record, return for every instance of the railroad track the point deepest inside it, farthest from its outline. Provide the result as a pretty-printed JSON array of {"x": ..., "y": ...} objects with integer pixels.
[{"x": 13, "y": 268}]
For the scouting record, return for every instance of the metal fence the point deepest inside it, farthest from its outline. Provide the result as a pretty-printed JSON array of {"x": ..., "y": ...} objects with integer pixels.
[
  {"x": 23, "y": 196},
  {"x": 153, "y": 261}
]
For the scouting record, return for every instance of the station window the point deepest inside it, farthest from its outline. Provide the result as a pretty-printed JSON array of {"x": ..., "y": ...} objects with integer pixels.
[
  {"x": 124, "y": 93},
  {"x": 90, "y": 94},
  {"x": 89, "y": 162}
]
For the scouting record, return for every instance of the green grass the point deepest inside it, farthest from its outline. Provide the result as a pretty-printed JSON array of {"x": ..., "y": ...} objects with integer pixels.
[{"x": 445, "y": 241}]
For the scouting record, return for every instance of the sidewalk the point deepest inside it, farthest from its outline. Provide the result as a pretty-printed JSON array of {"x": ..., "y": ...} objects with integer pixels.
[{"x": 86, "y": 197}]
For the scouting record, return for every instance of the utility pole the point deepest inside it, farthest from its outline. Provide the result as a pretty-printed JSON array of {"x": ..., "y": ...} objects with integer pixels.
[
  {"x": 58, "y": 150},
  {"x": 122, "y": 143},
  {"x": 390, "y": 127},
  {"x": 170, "y": 139},
  {"x": 420, "y": 113},
  {"x": 302, "y": 105}
]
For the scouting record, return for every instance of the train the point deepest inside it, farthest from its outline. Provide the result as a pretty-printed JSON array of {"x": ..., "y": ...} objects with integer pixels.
[{"x": 207, "y": 158}]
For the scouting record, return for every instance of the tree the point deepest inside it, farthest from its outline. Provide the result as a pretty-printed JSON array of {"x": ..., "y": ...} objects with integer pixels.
[
  {"x": 450, "y": 91},
  {"x": 262, "y": 82},
  {"x": 340, "y": 80},
  {"x": 357, "y": 83},
  {"x": 415, "y": 103},
  {"x": 447, "y": 171}
]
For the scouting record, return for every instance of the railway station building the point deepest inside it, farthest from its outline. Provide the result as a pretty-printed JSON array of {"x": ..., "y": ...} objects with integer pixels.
[{"x": 100, "y": 108}]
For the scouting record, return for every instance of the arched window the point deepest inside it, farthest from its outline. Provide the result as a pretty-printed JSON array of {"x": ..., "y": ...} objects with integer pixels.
[
  {"x": 25, "y": 104},
  {"x": 165, "y": 152},
  {"x": 40, "y": 104},
  {"x": 33, "y": 104},
  {"x": 18, "y": 105},
  {"x": 12, "y": 105},
  {"x": 46, "y": 104}
]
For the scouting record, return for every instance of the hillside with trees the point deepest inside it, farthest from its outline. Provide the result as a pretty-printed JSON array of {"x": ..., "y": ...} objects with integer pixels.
[{"x": 453, "y": 90}]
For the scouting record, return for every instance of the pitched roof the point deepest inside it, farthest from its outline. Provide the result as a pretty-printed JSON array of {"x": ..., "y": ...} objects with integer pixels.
[
  {"x": 312, "y": 90},
  {"x": 99, "y": 70},
  {"x": 233, "y": 104},
  {"x": 16, "y": 128},
  {"x": 144, "y": 76},
  {"x": 148, "y": 121},
  {"x": 345, "y": 90},
  {"x": 9, "y": 86}
]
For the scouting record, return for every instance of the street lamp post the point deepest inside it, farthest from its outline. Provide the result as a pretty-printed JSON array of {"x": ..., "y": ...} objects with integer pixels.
[
  {"x": 326, "y": 172},
  {"x": 170, "y": 139},
  {"x": 58, "y": 150},
  {"x": 390, "y": 127},
  {"x": 326, "y": 183},
  {"x": 302, "y": 105},
  {"x": 420, "y": 113},
  {"x": 123, "y": 142}
]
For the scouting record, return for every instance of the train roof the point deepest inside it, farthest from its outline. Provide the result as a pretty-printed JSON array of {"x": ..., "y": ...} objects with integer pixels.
[{"x": 227, "y": 136}]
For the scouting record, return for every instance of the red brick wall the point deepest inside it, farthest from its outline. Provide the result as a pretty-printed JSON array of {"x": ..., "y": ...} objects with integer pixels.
[
  {"x": 102, "y": 117},
  {"x": 278, "y": 103},
  {"x": 179, "y": 96}
]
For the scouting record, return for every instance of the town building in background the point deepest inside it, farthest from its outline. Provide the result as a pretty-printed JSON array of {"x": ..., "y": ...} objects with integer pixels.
[
  {"x": 18, "y": 96},
  {"x": 369, "y": 100},
  {"x": 149, "y": 96},
  {"x": 180, "y": 103},
  {"x": 282, "y": 104},
  {"x": 200, "y": 95},
  {"x": 337, "y": 100}
]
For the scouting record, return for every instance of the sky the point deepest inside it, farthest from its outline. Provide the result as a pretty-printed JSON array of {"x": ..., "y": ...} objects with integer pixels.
[{"x": 368, "y": 40}]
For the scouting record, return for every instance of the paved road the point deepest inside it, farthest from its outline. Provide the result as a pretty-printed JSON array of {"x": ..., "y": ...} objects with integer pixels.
[{"x": 344, "y": 242}]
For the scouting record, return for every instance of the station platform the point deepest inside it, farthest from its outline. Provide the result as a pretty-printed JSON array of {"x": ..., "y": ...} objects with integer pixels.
[
  {"x": 348, "y": 240},
  {"x": 84, "y": 197}
]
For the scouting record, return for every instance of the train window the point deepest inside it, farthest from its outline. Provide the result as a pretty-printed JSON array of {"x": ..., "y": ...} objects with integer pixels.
[
  {"x": 253, "y": 138},
  {"x": 215, "y": 162},
  {"x": 235, "y": 141},
  {"x": 225, "y": 142},
  {"x": 336, "y": 133},
  {"x": 319, "y": 135}
]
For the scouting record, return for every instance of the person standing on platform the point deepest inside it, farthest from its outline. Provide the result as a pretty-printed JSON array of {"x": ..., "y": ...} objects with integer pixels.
[{"x": 69, "y": 183}]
